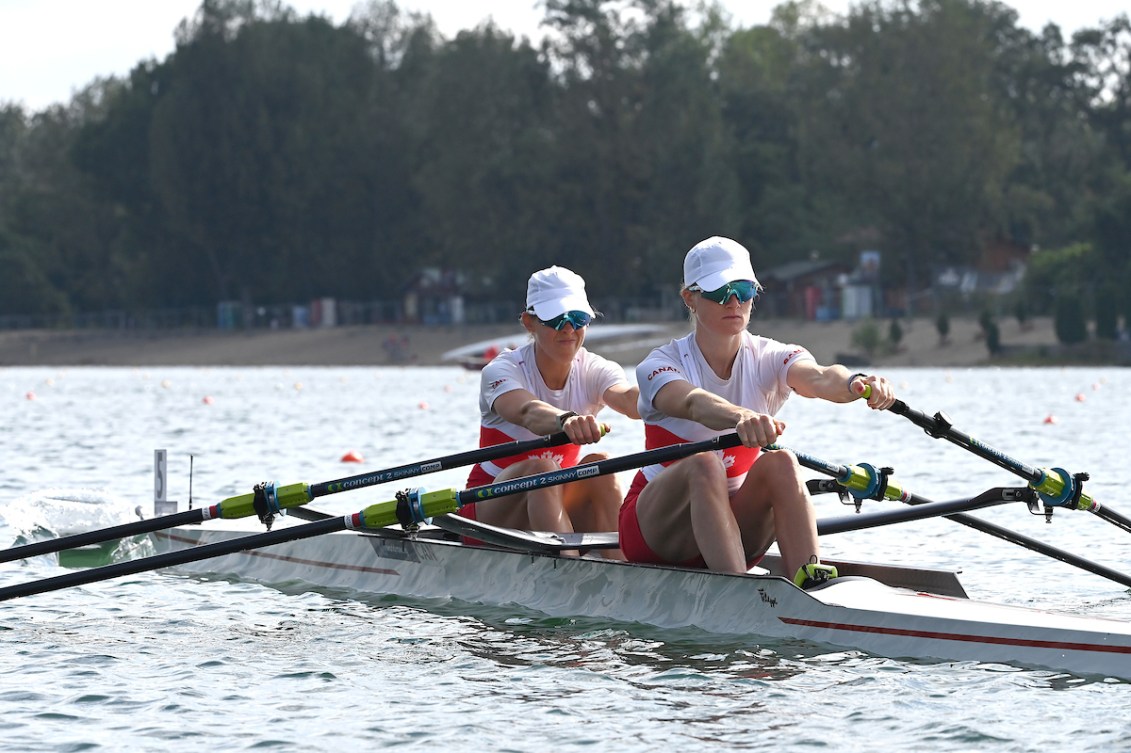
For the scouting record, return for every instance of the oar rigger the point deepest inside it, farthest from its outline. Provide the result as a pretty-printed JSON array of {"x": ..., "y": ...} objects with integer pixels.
[{"x": 1070, "y": 494}]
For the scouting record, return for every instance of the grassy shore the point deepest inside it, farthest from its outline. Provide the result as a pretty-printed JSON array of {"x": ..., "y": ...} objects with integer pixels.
[{"x": 920, "y": 345}]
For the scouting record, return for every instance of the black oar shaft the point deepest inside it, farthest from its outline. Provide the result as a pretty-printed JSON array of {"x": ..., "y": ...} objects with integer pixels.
[
  {"x": 988, "y": 498},
  {"x": 939, "y": 427},
  {"x": 241, "y": 505},
  {"x": 125, "y": 530},
  {"x": 936, "y": 426},
  {"x": 1111, "y": 516},
  {"x": 1012, "y": 494},
  {"x": 481, "y": 455},
  {"x": 597, "y": 468},
  {"x": 375, "y": 516},
  {"x": 172, "y": 559},
  {"x": 1040, "y": 547}
]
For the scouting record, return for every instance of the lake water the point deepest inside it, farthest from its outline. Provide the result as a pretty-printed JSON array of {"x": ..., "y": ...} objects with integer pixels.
[{"x": 168, "y": 663}]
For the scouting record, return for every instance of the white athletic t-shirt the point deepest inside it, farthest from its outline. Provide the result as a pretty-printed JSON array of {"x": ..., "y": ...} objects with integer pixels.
[
  {"x": 757, "y": 382},
  {"x": 590, "y": 376}
]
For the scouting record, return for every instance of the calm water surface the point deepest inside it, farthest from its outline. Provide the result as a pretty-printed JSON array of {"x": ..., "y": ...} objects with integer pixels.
[{"x": 167, "y": 663}]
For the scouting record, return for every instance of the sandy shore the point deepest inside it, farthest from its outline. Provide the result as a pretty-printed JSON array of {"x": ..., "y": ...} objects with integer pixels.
[{"x": 425, "y": 345}]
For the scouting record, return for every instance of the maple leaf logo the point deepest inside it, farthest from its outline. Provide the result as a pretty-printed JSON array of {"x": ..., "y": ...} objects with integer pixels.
[{"x": 557, "y": 457}]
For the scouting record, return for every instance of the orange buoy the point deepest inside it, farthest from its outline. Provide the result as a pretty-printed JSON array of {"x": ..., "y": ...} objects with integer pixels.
[
  {"x": 30, "y": 395},
  {"x": 1050, "y": 419},
  {"x": 1080, "y": 397},
  {"x": 207, "y": 400},
  {"x": 352, "y": 457},
  {"x": 423, "y": 405}
]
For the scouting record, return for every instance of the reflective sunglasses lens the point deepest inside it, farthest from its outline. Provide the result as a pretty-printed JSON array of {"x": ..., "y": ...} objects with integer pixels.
[
  {"x": 743, "y": 290},
  {"x": 579, "y": 320}
]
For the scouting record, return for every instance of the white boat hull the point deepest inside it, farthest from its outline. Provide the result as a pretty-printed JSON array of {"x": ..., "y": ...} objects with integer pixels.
[{"x": 850, "y": 612}]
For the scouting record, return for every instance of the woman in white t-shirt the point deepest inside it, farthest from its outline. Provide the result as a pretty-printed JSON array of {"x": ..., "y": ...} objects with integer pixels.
[
  {"x": 551, "y": 384},
  {"x": 723, "y": 510}
]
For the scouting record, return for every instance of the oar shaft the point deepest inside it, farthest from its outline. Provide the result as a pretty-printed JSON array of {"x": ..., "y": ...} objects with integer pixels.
[
  {"x": 1055, "y": 485},
  {"x": 598, "y": 468},
  {"x": 936, "y": 426},
  {"x": 412, "y": 507},
  {"x": 125, "y": 530},
  {"x": 863, "y": 479},
  {"x": 1040, "y": 547},
  {"x": 988, "y": 498},
  {"x": 1111, "y": 516},
  {"x": 293, "y": 495},
  {"x": 481, "y": 455},
  {"x": 171, "y": 559}
]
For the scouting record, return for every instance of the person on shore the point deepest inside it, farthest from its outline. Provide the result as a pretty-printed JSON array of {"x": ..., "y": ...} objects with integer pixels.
[
  {"x": 551, "y": 384},
  {"x": 723, "y": 510}
]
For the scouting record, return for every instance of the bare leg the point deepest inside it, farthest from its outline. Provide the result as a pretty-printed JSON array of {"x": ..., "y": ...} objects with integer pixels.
[
  {"x": 593, "y": 504},
  {"x": 685, "y": 512},
  {"x": 535, "y": 510},
  {"x": 774, "y": 503}
]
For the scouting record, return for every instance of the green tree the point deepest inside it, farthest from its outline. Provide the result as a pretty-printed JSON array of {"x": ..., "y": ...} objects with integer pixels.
[
  {"x": 276, "y": 160},
  {"x": 866, "y": 337},
  {"x": 993, "y": 338},
  {"x": 1106, "y": 308},
  {"x": 1069, "y": 321},
  {"x": 483, "y": 158},
  {"x": 895, "y": 334},
  {"x": 643, "y": 157},
  {"x": 900, "y": 116}
]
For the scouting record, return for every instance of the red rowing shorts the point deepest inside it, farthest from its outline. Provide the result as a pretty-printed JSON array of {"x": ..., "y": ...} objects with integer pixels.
[{"x": 632, "y": 541}]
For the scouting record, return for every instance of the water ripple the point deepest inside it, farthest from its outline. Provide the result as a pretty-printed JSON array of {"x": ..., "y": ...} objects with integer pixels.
[{"x": 160, "y": 662}]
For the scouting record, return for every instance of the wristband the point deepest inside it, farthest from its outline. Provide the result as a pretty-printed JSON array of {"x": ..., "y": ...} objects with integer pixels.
[
  {"x": 857, "y": 374},
  {"x": 565, "y": 417}
]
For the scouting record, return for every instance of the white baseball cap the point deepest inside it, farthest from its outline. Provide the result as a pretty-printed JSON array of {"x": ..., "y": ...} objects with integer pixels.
[
  {"x": 555, "y": 290},
  {"x": 712, "y": 263}
]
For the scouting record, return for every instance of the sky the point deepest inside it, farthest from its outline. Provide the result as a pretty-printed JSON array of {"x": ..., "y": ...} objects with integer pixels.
[{"x": 51, "y": 48}]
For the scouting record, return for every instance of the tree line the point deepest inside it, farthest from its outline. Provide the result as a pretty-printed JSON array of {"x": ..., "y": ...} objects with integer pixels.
[{"x": 273, "y": 158}]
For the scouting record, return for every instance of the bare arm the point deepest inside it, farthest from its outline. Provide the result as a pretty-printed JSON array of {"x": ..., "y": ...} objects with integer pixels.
[
  {"x": 522, "y": 408},
  {"x": 837, "y": 384},
  {"x": 623, "y": 399},
  {"x": 681, "y": 399}
]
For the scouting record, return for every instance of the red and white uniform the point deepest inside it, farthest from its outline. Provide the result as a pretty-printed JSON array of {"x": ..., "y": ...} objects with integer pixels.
[
  {"x": 757, "y": 382},
  {"x": 590, "y": 376}
]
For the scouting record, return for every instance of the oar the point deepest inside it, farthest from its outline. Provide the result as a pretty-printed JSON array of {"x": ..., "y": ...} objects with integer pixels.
[
  {"x": 864, "y": 481},
  {"x": 410, "y": 508},
  {"x": 988, "y": 498},
  {"x": 1055, "y": 485},
  {"x": 267, "y": 500}
]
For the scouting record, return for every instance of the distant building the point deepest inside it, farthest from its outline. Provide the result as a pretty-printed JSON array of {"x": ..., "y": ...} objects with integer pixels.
[
  {"x": 434, "y": 296},
  {"x": 809, "y": 289}
]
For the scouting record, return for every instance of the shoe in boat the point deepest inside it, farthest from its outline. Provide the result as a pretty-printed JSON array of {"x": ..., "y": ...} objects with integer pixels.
[{"x": 813, "y": 574}]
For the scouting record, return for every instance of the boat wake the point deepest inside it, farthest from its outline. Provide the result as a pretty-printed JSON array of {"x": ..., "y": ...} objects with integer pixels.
[{"x": 58, "y": 512}]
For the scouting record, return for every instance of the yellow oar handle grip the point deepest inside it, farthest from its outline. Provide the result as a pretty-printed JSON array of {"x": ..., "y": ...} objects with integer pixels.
[{"x": 867, "y": 391}]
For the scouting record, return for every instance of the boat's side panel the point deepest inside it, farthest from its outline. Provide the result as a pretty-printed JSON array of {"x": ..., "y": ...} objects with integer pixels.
[
  {"x": 556, "y": 586},
  {"x": 850, "y": 612}
]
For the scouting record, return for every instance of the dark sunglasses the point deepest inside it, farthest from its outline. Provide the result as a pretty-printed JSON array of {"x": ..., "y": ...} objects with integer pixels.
[
  {"x": 579, "y": 320},
  {"x": 743, "y": 290}
]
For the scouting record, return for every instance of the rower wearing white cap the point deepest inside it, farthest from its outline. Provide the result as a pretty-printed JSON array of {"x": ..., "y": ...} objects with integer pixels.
[
  {"x": 723, "y": 510},
  {"x": 549, "y": 385}
]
